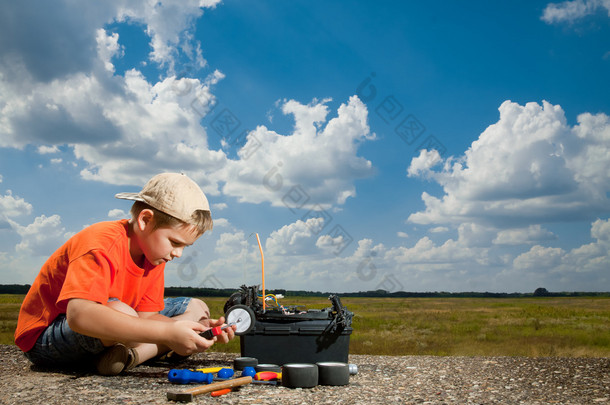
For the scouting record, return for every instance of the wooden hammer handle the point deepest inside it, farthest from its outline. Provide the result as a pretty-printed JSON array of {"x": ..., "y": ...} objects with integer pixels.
[{"x": 202, "y": 389}]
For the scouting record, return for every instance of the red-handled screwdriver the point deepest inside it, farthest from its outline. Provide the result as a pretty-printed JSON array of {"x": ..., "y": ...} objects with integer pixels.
[{"x": 210, "y": 333}]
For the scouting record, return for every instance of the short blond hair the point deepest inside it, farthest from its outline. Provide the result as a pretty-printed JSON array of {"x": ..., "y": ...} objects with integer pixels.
[{"x": 201, "y": 220}]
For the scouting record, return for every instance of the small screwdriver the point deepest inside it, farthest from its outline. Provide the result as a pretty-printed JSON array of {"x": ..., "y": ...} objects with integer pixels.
[
  {"x": 210, "y": 333},
  {"x": 178, "y": 376},
  {"x": 184, "y": 376}
]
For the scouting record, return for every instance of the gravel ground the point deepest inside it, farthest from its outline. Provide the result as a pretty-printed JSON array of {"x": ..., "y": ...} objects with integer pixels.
[{"x": 380, "y": 379}]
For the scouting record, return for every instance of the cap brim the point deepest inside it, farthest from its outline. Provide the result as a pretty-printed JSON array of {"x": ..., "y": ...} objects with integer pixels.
[{"x": 129, "y": 196}]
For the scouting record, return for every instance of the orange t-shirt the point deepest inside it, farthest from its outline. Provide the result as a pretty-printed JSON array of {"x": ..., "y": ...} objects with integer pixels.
[{"x": 95, "y": 264}]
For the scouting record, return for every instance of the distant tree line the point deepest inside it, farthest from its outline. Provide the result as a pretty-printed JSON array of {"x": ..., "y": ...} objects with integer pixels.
[
  {"x": 226, "y": 292},
  {"x": 14, "y": 288}
]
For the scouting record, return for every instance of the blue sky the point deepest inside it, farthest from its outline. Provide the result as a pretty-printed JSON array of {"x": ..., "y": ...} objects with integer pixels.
[{"x": 416, "y": 146}]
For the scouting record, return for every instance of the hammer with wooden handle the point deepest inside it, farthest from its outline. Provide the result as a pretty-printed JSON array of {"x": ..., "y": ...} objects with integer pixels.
[{"x": 187, "y": 395}]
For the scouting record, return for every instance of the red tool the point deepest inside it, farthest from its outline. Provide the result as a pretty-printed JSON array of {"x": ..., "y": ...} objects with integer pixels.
[
  {"x": 267, "y": 376},
  {"x": 210, "y": 333},
  {"x": 220, "y": 392}
]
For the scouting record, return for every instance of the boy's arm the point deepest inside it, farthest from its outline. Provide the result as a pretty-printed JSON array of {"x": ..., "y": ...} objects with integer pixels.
[{"x": 96, "y": 320}]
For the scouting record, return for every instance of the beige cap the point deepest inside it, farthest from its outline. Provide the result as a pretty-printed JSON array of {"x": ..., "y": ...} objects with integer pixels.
[{"x": 172, "y": 193}]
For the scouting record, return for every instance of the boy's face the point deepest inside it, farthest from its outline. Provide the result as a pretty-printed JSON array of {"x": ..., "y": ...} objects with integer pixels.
[{"x": 164, "y": 244}]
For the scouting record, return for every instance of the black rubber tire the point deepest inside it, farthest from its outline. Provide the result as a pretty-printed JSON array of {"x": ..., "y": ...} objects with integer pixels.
[
  {"x": 241, "y": 362},
  {"x": 268, "y": 367},
  {"x": 333, "y": 373},
  {"x": 299, "y": 375}
]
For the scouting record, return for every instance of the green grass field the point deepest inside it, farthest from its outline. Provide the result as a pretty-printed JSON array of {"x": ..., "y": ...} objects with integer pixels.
[{"x": 534, "y": 327}]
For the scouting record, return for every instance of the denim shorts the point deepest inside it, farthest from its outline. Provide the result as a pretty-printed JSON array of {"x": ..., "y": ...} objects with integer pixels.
[{"x": 59, "y": 345}]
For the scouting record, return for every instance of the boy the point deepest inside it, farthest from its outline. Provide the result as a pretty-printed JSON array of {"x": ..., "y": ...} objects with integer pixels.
[{"x": 99, "y": 297}]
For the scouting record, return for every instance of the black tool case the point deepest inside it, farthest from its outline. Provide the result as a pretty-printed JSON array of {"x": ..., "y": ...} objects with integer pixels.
[
  {"x": 299, "y": 338},
  {"x": 309, "y": 336}
]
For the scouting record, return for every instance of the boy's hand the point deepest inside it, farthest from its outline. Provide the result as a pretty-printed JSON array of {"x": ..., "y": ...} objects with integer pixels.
[
  {"x": 227, "y": 334},
  {"x": 183, "y": 337}
]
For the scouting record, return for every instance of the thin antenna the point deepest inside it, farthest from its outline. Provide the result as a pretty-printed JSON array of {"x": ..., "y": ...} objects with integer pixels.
[{"x": 263, "y": 267}]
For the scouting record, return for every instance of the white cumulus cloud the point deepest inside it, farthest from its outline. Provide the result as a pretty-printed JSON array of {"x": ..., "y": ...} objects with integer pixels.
[
  {"x": 421, "y": 165},
  {"x": 58, "y": 87},
  {"x": 118, "y": 214},
  {"x": 529, "y": 235},
  {"x": 569, "y": 11},
  {"x": 316, "y": 165},
  {"x": 11, "y": 206},
  {"x": 169, "y": 25},
  {"x": 529, "y": 167},
  {"x": 124, "y": 128},
  {"x": 571, "y": 268},
  {"x": 540, "y": 258},
  {"x": 231, "y": 244},
  {"x": 42, "y": 237},
  {"x": 294, "y": 239},
  {"x": 107, "y": 48}
]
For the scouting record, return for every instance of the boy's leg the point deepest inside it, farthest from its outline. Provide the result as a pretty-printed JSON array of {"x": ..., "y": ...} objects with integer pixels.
[
  {"x": 58, "y": 345},
  {"x": 186, "y": 308},
  {"x": 144, "y": 351},
  {"x": 176, "y": 308}
]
